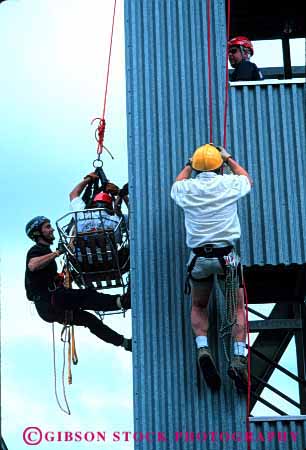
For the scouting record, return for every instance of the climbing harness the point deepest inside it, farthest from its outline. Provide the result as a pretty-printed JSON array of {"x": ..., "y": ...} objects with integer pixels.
[{"x": 207, "y": 251}]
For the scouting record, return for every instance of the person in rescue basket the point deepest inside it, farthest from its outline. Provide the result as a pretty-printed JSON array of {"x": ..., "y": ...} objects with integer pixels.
[
  {"x": 240, "y": 50},
  {"x": 212, "y": 227},
  {"x": 108, "y": 218},
  {"x": 53, "y": 300}
]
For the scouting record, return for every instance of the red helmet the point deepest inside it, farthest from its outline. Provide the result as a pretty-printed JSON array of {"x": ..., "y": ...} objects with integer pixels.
[
  {"x": 243, "y": 42},
  {"x": 103, "y": 197}
]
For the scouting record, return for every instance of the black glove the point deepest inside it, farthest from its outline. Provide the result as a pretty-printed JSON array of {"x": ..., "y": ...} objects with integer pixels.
[
  {"x": 60, "y": 248},
  {"x": 124, "y": 190},
  {"x": 111, "y": 188},
  {"x": 92, "y": 176}
]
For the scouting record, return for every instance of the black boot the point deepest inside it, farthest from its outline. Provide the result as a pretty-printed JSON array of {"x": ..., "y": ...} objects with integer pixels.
[
  {"x": 238, "y": 371},
  {"x": 125, "y": 300},
  {"x": 208, "y": 368},
  {"x": 127, "y": 344}
]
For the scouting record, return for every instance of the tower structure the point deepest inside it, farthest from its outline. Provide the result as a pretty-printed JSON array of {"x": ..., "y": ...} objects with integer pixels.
[{"x": 167, "y": 71}]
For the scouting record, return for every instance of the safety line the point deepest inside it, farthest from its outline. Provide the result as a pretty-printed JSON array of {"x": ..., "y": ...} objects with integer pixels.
[
  {"x": 63, "y": 371},
  {"x": 109, "y": 59},
  {"x": 226, "y": 73},
  {"x": 248, "y": 406},
  {"x": 209, "y": 71},
  {"x": 101, "y": 127},
  {"x": 55, "y": 378},
  {"x": 249, "y": 364}
]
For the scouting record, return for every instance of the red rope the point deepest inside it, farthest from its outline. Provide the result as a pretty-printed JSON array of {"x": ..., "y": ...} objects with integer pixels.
[
  {"x": 224, "y": 144},
  {"x": 109, "y": 59},
  {"x": 101, "y": 127},
  {"x": 249, "y": 365},
  {"x": 209, "y": 72},
  {"x": 226, "y": 73}
]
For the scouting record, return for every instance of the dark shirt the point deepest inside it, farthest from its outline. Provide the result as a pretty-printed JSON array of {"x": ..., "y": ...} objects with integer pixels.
[
  {"x": 38, "y": 282},
  {"x": 246, "y": 71},
  {"x": 125, "y": 190}
]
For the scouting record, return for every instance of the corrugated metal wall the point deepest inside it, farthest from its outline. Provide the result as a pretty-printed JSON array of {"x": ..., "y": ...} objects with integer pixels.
[
  {"x": 167, "y": 110},
  {"x": 278, "y": 434},
  {"x": 267, "y": 134}
]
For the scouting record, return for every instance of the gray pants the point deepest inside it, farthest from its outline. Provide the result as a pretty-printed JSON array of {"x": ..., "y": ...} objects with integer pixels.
[{"x": 205, "y": 268}]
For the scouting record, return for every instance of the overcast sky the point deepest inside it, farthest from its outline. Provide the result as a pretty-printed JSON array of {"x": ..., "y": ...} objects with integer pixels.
[{"x": 52, "y": 83}]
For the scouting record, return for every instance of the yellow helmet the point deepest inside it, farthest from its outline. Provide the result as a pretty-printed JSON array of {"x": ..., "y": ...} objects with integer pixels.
[{"x": 205, "y": 158}]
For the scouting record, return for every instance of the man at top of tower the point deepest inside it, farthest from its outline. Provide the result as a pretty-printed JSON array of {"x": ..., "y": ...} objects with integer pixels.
[{"x": 240, "y": 50}]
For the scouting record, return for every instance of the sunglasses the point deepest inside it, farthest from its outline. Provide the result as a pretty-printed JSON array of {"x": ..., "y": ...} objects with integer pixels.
[{"x": 233, "y": 50}]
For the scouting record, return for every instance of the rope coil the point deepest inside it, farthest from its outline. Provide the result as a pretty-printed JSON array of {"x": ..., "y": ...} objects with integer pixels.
[{"x": 229, "y": 319}]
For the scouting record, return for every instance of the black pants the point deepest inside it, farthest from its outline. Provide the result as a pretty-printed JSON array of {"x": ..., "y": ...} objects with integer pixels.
[{"x": 51, "y": 308}]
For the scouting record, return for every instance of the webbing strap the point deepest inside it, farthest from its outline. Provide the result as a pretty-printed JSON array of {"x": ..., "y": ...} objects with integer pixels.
[
  {"x": 217, "y": 252},
  {"x": 209, "y": 251},
  {"x": 67, "y": 336},
  {"x": 72, "y": 354},
  {"x": 187, "y": 288}
]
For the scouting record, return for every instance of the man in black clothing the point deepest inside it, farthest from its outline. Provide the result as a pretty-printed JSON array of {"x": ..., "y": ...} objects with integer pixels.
[
  {"x": 52, "y": 301},
  {"x": 240, "y": 50}
]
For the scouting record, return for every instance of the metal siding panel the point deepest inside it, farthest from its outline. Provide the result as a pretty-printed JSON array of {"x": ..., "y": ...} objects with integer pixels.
[
  {"x": 279, "y": 441},
  {"x": 167, "y": 114},
  {"x": 268, "y": 143}
]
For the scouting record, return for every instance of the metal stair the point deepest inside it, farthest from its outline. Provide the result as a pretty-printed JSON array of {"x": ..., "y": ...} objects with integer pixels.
[{"x": 286, "y": 287}]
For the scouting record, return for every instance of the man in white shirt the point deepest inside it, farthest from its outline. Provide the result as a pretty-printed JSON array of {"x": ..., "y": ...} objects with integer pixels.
[{"x": 212, "y": 227}]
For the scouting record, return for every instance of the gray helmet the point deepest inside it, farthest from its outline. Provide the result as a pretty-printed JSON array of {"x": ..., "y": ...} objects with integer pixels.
[{"x": 33, "y": 227}]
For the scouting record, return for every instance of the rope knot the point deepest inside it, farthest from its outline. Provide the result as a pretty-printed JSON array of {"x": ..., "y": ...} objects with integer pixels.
[{"x": 99, "y": 133}]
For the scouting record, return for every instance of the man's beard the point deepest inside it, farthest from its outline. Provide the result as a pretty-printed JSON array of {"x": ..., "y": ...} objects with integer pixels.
[
  {"x": 49, "y": 239},
  {"x": 234, "y": 65}
]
